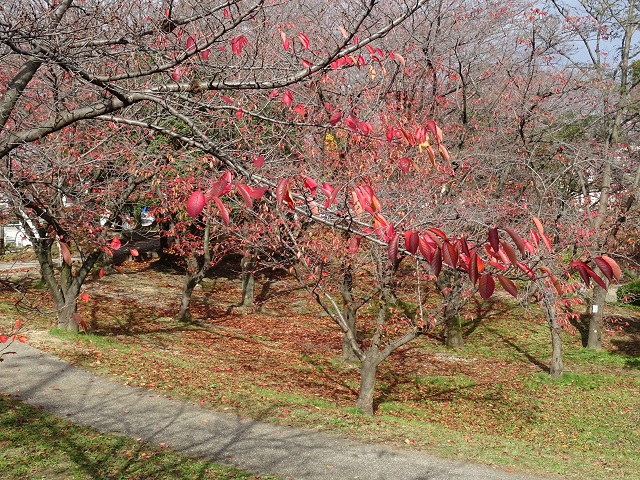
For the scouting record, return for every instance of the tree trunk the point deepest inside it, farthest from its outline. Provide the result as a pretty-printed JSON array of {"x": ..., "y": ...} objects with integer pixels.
[
  {"x": 190, "y": 282},
  {"x": 196, "y": 270},
  {"x": 596, "y": 309},
  {"x": 453, "y": 334},
  {"x": 66, "y": 318},
  {"x": 348, "y": 313},
  {"x": 248, "y": 280},
  {"x": 451, "y": 285},
  {"x": 549, "y": 307},
  {"x": 368, "y": 371},
  {"x": 556, "y": 367}
]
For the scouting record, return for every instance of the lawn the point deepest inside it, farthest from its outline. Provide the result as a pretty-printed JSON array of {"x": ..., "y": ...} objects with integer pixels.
[
  {"x": 36, "y": 445},
  {"x": 491, "y": 401}
]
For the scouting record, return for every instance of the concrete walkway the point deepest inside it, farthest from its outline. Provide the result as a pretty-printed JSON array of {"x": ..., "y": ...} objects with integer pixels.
[{"x": 40, "y": 379}]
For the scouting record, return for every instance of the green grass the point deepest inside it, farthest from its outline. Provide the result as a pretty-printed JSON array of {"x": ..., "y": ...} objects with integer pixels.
[{"x": 36, "y": 445}]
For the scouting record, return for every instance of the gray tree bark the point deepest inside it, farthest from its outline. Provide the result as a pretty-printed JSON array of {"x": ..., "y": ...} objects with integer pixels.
[{"x": 248, "y": 280}]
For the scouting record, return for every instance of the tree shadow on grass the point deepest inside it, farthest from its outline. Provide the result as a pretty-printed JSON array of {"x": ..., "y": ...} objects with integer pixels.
[{"x": 54, "y": 448}]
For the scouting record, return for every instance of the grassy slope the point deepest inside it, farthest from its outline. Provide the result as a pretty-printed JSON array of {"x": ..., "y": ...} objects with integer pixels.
[{"x": 490, "y": 401}]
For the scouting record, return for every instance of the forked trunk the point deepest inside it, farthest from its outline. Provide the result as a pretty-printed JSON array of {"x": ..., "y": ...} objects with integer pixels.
[
  {"x": 196, "y": 271},
  {"x": 594, "y": 340},
  {"x": 348, "y": 313},
  {"x": 368, "y": 371},
  {"x": 66, "y": 318},
  {"x": 64, "y": 286}
]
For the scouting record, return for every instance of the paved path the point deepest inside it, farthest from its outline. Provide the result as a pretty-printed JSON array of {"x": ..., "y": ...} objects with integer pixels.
[{"x": 41, "y": 379}]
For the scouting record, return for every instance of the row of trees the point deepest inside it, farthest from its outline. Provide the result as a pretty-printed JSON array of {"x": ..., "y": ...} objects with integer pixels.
[{"x": 370, "y": 148}]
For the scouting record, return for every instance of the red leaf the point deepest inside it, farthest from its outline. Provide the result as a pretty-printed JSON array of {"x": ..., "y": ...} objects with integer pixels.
[
  {"x": 311, "y": 185},
  {"x": 352, "y": 122},
  {"x": 473, "y": 268},
  {"x": 84, "y": 297},
  {"x": 239, "y": 113},
  {"x": 245, "y": 193},
  {"x": 191, "y": 43},
  {"x": 613, "y": 268},
  {"x": 238, "y": 43},
  {"x": 546, "y": 241},
  {"x": 115, "y": 243},
  {"x": 438, "y": 232},
  {"x": 176, "y": 73},
  {"x": 444, "y": 153},
  {"x": 495, "y": 264},
  {"x": 226, "y": 99},
  {"x": 4, "y": 339},
  {"x": 134, "y": 252},
  {"x": 553, "y": 278},
  {"x": 287, "y": 98},
  {"x": 530, "y": 273},
  {"x": 18, "y": 324},
  {"x": 427, "y": 250},
  {"x": 258, "y": 161},
  {"x": 404, "y": 164},
  {"x": 411, "y": 241},
  {"x": 392, "y": 249},
  {"x": 391, "y": 133},
  {"x": 224, "y": 214},
  {"x": 529, "y": 246},
  {"x": 538, "y": 225},
  {"x": 436, "y": 262},
  {"x": 299, "y": 109},
  {"x": 420, "y": 134},
  {"x": 66, "y": 254},
  {"x": 226, "y": 13},
  {"x": 449, "y": 254},
  {"x": 283, "y": 185},
  {"x": 354, "y": 244},
  {"x": 195, "y": 204},
  {"x": 431, "y": 125},
  {"x": 205, "y": 54},
  {"x": 335, "y": 118},
  {"x": 258, "y": 193},
  {"x": 486, "y": 286},
  {"x": 582, "y": 270},
  {"x": 508, "y": 285},
  {"x": 79, "y": 320},
  {"x": 304, "y": 40},
  {"x": 535, "y": 238},
  {"x": 101, "y": 273},
  {"x": 464, "y": 246},
  {"x": 494, "y": 239},
  {"x": 364, "y": 127},
  {"x": 511, "y": 253},
  {"x": 517, "y": 239},
  {"x": 331, "y": 199}
]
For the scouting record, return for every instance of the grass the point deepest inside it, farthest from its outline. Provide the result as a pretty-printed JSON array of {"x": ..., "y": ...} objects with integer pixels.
[
  {"x": 36, "y": 445},
  {"x": 491, "y": 401}
]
